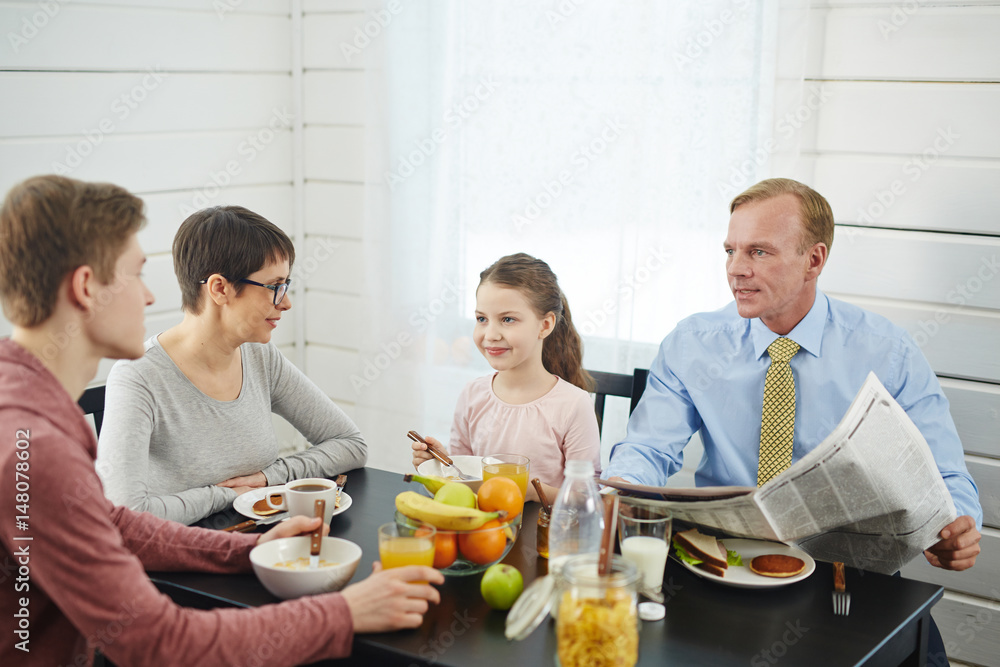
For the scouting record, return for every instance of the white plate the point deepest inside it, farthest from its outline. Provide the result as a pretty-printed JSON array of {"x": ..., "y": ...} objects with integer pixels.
[
  {"x": 244, "y": 503},
  {"x": 742, "y": 577}
]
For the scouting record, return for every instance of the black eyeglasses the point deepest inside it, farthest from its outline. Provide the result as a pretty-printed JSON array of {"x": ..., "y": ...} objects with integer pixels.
[{"x": 279, "y": 290}]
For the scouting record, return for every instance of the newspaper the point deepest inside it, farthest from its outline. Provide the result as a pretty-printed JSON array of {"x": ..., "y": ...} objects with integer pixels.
[{"x": 869, "y": 495}]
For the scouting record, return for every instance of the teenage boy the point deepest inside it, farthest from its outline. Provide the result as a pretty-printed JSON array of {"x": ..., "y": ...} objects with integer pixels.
[{"x": 71, "y": 283}]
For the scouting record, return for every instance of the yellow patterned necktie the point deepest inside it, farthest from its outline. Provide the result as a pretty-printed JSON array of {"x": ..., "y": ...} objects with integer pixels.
[{"x": 777, "y": 423}]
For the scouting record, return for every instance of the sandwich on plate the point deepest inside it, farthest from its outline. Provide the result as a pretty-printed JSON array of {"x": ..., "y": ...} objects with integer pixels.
[{"x": 705, "y": 552}]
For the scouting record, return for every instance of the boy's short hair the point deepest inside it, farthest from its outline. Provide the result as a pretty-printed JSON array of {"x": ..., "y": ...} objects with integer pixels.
[
  {"x": 229, "y": 240},
  {"x": 814, "y": 210},
  {"x": 50, "y": 226}
]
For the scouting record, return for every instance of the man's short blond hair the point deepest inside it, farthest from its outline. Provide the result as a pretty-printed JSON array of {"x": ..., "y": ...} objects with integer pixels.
[
  {"x": 815, "y": 211},
  {"x": 50, "y": 226}
]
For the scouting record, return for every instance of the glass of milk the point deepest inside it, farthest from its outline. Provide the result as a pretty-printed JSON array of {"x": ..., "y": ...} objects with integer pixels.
[{"x": 645, "y": 539}]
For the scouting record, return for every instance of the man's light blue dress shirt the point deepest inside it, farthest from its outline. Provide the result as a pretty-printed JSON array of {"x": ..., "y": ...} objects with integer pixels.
[{"x": 709, "y": 376}]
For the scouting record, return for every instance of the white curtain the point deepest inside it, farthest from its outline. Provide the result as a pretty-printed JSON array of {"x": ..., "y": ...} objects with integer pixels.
[{"x": 604, "y": 137}]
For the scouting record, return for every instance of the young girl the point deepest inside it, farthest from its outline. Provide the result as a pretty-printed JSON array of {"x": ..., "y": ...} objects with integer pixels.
[{"x": 536, "y": 404}]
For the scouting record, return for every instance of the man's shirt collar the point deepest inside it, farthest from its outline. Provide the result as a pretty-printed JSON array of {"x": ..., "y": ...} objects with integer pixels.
[{"x": 808, "y": 333}]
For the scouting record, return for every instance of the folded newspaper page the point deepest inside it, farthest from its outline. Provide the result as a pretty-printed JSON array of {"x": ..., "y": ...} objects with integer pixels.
[{"x": 869, "y": 495}]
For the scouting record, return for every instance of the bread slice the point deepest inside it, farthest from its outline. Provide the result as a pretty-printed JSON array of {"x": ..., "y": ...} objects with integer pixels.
[
  {"x": 714, "y": 569},
  {"x": 777, "y": 565},
  {"x": 705, "y": 548}
]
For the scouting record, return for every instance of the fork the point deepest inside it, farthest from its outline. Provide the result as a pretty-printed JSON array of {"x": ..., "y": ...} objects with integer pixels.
[
  {"x": 340, "y": 482},
  {"x": 443, "y": 458},
  {"x": 841, "y": 598}
]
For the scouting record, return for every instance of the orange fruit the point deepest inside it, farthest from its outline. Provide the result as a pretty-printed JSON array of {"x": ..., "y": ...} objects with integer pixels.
[
  {"x": 483, "y": 546},
  {"x": 445, "y": 549},
  {"x": 501, "y": 493}
]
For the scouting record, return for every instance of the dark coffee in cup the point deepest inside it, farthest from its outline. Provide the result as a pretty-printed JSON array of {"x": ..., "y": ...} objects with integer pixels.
[{"x": 305, "y": 488}]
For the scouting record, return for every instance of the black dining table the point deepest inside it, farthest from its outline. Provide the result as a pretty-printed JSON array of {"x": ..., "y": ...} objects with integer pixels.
[{"x": 706, "y": 623}]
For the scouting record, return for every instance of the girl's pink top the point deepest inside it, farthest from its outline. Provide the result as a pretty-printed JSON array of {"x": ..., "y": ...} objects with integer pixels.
[{"x": 550, "y": 430}]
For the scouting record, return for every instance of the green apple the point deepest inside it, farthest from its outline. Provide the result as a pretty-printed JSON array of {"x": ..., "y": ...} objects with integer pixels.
[
  {"x": 501, "y": 586},
  {"x": 456, "y": 494}
]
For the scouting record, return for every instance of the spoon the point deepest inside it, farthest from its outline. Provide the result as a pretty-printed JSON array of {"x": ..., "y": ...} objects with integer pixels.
[
  {"x": 442, "y": 457},
  {"x": 537, "y": 483},
  {"x": 316, "y": 539}
]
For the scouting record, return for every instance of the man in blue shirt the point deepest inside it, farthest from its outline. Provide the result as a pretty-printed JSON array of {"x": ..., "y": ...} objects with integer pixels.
[{"x": 709, "y": 374}]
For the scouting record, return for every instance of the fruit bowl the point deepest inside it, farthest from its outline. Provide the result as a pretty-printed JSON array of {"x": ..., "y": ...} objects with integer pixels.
[{"x": 474, "y": 550}]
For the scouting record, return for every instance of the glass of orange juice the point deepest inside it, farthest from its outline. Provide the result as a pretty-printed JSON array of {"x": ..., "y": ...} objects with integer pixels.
[
  {"x": 400, "y": 545},
  {"x": 508, "y": 465}
]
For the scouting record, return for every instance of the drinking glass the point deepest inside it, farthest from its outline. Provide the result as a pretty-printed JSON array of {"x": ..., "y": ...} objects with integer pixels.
[
  {"x": 511, "y": 466},
  {"x": 399, "y": 545},
  {"x": 645, "y": 540}
]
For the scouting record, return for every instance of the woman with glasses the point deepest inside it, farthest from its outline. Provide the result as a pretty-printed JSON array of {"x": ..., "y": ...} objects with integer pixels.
[{"x": 187, "y": 427}]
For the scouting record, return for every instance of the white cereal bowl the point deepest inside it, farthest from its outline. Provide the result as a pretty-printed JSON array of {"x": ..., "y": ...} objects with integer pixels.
[
  {"x": 470, "y": 465},
  {"x": 287, "y": 583}
]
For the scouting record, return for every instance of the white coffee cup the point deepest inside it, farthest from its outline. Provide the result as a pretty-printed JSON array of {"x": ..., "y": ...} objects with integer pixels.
[{"x": 299, "y": 496}]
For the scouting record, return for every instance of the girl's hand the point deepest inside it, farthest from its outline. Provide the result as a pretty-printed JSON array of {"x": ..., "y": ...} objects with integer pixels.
[{"x": 420, "y": 453}]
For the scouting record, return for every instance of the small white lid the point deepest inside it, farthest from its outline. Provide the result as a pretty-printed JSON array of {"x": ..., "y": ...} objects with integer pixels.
[
  {"x": 531, "y": 608},
  {"x": 651, "y": 611}
]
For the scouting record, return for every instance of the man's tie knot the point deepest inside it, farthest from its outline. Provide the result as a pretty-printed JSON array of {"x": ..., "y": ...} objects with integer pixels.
[{"x": 782, "y": 350}]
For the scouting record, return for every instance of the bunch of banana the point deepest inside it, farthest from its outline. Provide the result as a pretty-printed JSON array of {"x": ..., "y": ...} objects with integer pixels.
[
  {"x": 439, "y": 515},
  {"x": 431, "y": 482}
]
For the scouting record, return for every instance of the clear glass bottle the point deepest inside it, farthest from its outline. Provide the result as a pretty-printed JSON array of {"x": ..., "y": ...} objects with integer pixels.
[
  {"x": 577, "y": 516},
  {"x": 597, "y": 623}
]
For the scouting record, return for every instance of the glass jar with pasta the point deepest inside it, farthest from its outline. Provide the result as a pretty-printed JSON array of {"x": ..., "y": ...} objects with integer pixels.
[{"x": 597, "y": 624}]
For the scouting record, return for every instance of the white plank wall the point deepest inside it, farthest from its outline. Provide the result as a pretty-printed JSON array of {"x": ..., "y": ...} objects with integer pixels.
[
  {"x": 184, "y": 103},
  {"x": 335, "y": 114},
  {"x": 906, "y": 149}
]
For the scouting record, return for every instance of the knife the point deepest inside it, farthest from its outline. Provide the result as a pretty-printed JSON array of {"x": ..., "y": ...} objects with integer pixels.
[{"x": 253, "y": 523}]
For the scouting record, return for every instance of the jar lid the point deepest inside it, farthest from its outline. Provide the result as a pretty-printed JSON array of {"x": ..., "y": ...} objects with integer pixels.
[
  {"x": 531, "y": 608},
  {"x": 651, "y": 611}
]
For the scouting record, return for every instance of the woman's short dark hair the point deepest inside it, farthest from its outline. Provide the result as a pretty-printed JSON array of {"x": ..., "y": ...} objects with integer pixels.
[{"x": 229, "y": 240}]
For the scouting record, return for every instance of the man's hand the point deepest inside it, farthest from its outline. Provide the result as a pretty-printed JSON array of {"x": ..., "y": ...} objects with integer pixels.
[
  {"x": 297, "y": 525},
  {"x": 958, "y": 547},
  {"x": 387, "y": 600},
  {"x": 254, "y": 481}
]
